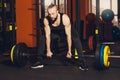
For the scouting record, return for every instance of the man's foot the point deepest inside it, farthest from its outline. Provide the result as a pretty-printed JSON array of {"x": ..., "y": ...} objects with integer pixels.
[
  {"x": 83, "y": 66},
  {"x": 37, "y": 65},
  {"x": 81, "y": 63}
]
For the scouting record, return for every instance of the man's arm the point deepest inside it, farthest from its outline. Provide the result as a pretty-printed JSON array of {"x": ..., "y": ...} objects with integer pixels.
[
  {"x": 47, "y": 35},
  {"x": 67, "y": 24}
]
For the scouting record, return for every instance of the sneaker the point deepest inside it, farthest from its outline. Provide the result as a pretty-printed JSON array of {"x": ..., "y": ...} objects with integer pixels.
[
  {"x": 37, "y": 65},
  {"x": 81, "y": 63},
  {"x": 83, "y": 67}
]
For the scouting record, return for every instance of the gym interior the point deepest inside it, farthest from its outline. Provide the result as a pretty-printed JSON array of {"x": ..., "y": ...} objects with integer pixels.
[{"x": 21, "y": 27}]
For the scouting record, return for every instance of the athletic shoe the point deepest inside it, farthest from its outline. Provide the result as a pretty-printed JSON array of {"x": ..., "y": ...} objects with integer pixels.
[
  {"x": 37, "y": 65},
  {"x": 83, "y": 66}
]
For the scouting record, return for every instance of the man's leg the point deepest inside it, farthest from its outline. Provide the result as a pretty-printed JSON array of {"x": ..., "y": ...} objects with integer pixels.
[
  {"x": 78, "y": 46},
  {"x": 40, "y": 52}
]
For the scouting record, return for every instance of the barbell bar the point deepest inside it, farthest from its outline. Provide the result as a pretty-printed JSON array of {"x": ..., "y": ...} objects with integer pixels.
[
  {"x": 19, "y": 55},
  {"x": 93, "y": 56}
]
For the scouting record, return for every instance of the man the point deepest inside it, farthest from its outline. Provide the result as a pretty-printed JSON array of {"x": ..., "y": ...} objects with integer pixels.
[{"x": 57, "y": 26}]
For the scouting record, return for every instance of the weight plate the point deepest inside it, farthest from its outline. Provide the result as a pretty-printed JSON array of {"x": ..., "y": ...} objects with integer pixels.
[
  {"x": 97, "y": 56},
  {"x": 11, "y": 53},
  {"x": 90, "y": 43},
  {"x": 76, "y": 54},
  {"x": 106, "y": 58},
  {"x": 18, "y": 54},
  {"x": 101, "y": 56}
]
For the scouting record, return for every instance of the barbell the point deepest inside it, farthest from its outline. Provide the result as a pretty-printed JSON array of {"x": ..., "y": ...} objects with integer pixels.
[{"x": 19, "y": 55}]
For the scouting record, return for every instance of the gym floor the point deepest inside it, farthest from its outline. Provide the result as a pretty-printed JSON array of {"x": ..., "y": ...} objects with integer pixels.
[{"x": 57, "y": 71}]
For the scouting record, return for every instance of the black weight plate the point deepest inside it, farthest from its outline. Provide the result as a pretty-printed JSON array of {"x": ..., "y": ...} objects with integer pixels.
[{"x": 18, "y": 54}]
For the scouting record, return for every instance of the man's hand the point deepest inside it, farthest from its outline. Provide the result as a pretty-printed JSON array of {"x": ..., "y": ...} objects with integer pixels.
[
  {"x": 69, "y": 55},
  {"x": 49, "y": 54}
]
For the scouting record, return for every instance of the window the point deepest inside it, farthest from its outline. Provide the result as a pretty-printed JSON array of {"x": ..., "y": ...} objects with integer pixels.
[
  {"x": 106, "y": 4},
  {"x": 62, "y": 6}
]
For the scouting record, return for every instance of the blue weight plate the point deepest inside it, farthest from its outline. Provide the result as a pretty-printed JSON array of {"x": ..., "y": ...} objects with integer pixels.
[{"x": 101, "y": 57}]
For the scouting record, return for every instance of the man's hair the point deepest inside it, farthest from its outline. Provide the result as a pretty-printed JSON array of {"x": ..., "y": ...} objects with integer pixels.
[{"x": 52, "y": 5}]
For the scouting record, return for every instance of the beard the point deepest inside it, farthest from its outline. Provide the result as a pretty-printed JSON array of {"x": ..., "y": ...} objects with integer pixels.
[{"x": 53, "y": 20}]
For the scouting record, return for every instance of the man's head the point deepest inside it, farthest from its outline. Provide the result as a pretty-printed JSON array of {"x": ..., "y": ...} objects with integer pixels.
[{"x": 52, "y": 11}]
